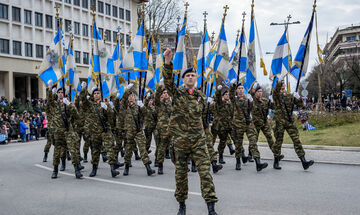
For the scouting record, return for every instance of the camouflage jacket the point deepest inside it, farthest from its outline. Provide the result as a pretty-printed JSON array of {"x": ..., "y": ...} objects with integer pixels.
[
  {"x": 213, "y": 111},
  {"x": 48, "y": 108},
  {"x": 260, "y": 110},
  {"x": 163, "y": 110},
  {"x": 242, "y": 109},
  {"x": 120, "y": 115},
  {"x": 150, "y": 115},
  {"x": 283, "y": 104},
  {"x": 133, "y": 116},
  {"x": 60, "y": 114},
  {"x": 188, "y": 109},
  {"x": 224, "y": 112}
]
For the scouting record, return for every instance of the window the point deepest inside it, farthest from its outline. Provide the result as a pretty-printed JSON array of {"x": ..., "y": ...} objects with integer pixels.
[
  {"x": 16, "y": 14},
  {"x": 85, "y": 58},
  {"x": 85, "y": 3},
  {"x": 114, "y": 36},
  {"x": 4, "y": 46},
  {"x": 127, "y": 40},
  {"x": 85, "y": 30},
  {"x": 27, "y": 17},
  {"x": 352, "y": 38},
  {"x": 77, "y": 56},
  {"x": 3, "y": 11},
  {"x": 76, "y": 28},
  {"x": 57, "y": 23},
  {"x": 16, "y": 48},
  {"x": 39, "y": 51},
  {"x": 49, "y": 23},
  {"x": 127, "y": 15},
  {"x": 38, "y": 19},
  {"x": 28, "y": 50},
  {"x": 67, "y": 25},
  {"x": 122, "y": 36},
  {"x": 77, "y": 2},
  {"x": 93, "y": 2},
  {"x": 68, "y": 1},
  {"x": 115, "y": 11},
  {"x": 101, "y": 32},
  {"x": 107, "y": 9},
  {"x": 47, "y": 48},
  {"x": 100, "y": 7},
  {"x": 121, "y": 13},
  {"x": 108, "y": 35}
]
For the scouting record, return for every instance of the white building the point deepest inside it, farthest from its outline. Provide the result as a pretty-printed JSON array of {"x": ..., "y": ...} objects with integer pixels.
[{"x": 27, "y": 28}]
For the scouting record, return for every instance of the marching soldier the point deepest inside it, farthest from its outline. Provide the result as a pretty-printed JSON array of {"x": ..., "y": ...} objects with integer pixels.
[
  {"x": 50, "y": 133},
  {"x": 150, "y": 122},
  {"x": 284, "y": 121},
  {"x": 189, "y": 139}
]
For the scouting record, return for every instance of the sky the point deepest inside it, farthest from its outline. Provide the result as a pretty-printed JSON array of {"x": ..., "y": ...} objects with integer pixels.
[{"x": 331, "y": 15}]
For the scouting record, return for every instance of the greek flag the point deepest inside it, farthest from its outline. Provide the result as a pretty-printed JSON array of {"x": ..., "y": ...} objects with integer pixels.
[
  {"x": 180, "y": 62},
  {"x": 238, "y": 56},
  {"x": 100, "y": 54},
  {"x": 53, "y": 66},
  {"x": 221, "y": 64},
  {"x": 115, "y": 78},
  {"x": 204, "y": 51},
  {"x": 159, "y": 63},
  {"x": 303, "y": 53},
  {"x": 251, "y": 59},
  {"x": 92, "y": 77},
  {"x": 150, "y": 76},
  {"x": 72, "y": 77}
]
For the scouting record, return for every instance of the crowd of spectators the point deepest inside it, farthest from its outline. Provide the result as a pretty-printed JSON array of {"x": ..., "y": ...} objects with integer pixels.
[{"x": 22, "y": 121}]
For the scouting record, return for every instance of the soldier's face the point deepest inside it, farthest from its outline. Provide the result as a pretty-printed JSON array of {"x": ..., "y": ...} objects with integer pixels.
[
  {"x": 165, "y": 94},
  {"x": 282, "y": 86},
  {"x": 60, "y": 94},
  {"x": 97, "y": 95},
  {"x": 189, "y": 80},
  {"x": 132, "y": 98},
  {"x": 151, "y": 102},
  {"x": 240, "y": 90},
  {"x": 258, "y": 93},
  {"x": 226, "y": 96}
]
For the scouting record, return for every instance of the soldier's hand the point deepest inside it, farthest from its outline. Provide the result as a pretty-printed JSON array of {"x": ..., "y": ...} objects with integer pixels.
[
  {"x": 50, "y": 83},
  {"x": 219, "y": 87},
  {"x": 54, "y": 90},
  {"x": 111, "y": 104},
  {"x": 281, "y": 78},
  {"x": 117, "y": 94},
  {"x": 210, "y": 100},
  {"x": 65, "y": 101},
  {"x": 83, "y": 85},
  {"x": 140, "y": 103},
  {"x": 103, "y": 105},
  {"x": 296, "y": 95},
  {"x": 87, "y": 97},
  {"x": 271, "y": 99},
  {"x": 148, "y": 96},
  {"x": 161, "y": 82},
  {"x": 233, "y": 81},
  {"x": 167, "y": 56},
  {"x": 129, "y": 86},
  {"x": 248, "y": 96}
]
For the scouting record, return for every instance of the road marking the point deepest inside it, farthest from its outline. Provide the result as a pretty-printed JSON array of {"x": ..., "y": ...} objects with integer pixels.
[
  {"x": 120, "y": 183},
  {"x": 13, "y": 150}
]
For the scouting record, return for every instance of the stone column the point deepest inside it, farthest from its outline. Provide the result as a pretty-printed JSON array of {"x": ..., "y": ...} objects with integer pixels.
[
  {"x": 28, "y": 88},
  {"x": 9, "y": 85}
]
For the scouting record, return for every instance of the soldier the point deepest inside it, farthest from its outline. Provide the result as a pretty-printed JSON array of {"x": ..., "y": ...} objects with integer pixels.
[
  {"x": 260, "y": 112},
  {"x": 134, "y": 131},
  {"x": 284, "y": 121},
  {"x": 98, "y": 128},
  {"x": 186, "y": 127},
  {"x": 50, "y": 133},
  {"x": 150, "y": 121},
  {"x": 80, "y": 129},
  {"x": 242, "y": 123}
]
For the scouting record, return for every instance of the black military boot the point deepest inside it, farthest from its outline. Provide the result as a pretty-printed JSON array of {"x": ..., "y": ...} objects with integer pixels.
[
  {"x": 231, "y": 149},
  {"x": 77, "y": 171},
  {"x": 160, "y": 169},
  {"x": 45, "y": 157},
  {"x": 259, "y": 165},
  {"x": 156, "y": 163},
  {"x": 126, "y": 170},
  {"x": 281, "y": 157},
  {"x": 93, "y": 171},
  {"x": 55, "y": 172},
  {"x": 122, "y": 152},
  {"x": 63, "y": 164},
  {"x": 85, "y": 158},
  {"x": 114, "y": 172},
  {"x": 68, "y": 156},
  {"x": 238, "y": 164},
  {"x": 306, "y": 164},
  {"x": 193, "y": 166},
  {"x": 244, "y": 158},
  {"x": 149, "y": 170},
  {"x": 81, "y": 167},
  {"x": 167, "y": 154},
  {"x": 211, "y": 208},
  {"x": 104, "y": 156},
  {"x": 221, "y": 159},
  {"x": 182, "y": 208},
  {"x": 250, "y": 158},
  {"x": 276, "y": 163},
  {"x": 117, "y": 163},
  {"x": 216, "y": 167},
  {"x": 137, "y": 157}
]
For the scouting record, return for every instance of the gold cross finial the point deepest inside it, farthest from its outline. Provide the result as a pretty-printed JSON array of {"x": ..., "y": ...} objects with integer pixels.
[
  {"x": 205, "y": 14},
  {"x": 105, "y": 38},
  {"x": 237, "y": 35},
  {"x": 226, "y": 7},
  {"x": 57, "y": 6},
  {"x": 212, "y": 36},
  {"x": 186, "y": 7},
  {"x": 314, "y": 6},
  {"x": 143, "y": 9},
  {"x": 93, "y": 7},
  {"x": 252, "y": 4}
]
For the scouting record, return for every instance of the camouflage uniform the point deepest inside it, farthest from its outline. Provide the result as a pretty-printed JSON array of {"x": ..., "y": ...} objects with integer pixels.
[
  {"x": 186, "y": 127},
  {"x": 283, "y": 121},
  {"x": 50, "y": 134},
  {"x": 215, "y": 127},
  {"x": 80, "y": 121},
  {"x": 98, "y": 129},
  {"x": 72, "y": 137},
  {"x": 150, "y": 122},
  {"x": 164, "y": 110}
]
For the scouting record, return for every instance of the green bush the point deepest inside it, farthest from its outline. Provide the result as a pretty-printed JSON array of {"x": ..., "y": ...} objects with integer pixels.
[{"x": 325, "y": 119}]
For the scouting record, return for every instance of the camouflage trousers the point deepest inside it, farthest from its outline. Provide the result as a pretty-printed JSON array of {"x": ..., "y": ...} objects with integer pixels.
[
  {"x": 210, "y": 146},
  {"x": 238, "y": 137},
  {"x": 133, "y": 139},
  {"x": 194, "y": 147},
  {"x": 59, "y": 146},
  {"x": 49, "y": 140},
  {"x": 86, "y": 145},
  {"x": 224, "y": 136},
  {"x": 293, "y": 132},
  {"x": 73, "y": 143},
  {"x": 148, "y": 134},
  {"x": 103, "y": 142},
  {"x": 164, "y": 143},
  {"x": 119, "y": 138},
  {"x": 266, "y": 129}
]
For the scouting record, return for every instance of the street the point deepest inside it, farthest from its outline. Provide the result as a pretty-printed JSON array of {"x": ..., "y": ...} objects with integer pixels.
[{"x": 26, "y": 188}]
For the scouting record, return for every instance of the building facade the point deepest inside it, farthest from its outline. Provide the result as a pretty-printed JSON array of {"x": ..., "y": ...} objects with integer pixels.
[{"x": 27, "y": 28}]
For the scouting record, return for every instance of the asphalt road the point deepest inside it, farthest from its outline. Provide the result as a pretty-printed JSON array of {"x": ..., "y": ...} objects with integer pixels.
[{"x": 26, "y": 188}]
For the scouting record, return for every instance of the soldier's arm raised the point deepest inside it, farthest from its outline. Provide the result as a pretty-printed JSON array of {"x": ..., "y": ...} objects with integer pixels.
[
  {"x": 232, "y": 92},
  {"x": 124, "y": 99},
  {"x": 276, "y": 92},
  {"x": 168, "y": 74},
  {"x": 158, "y": 93},
  {"x": 84, "y": 100}
]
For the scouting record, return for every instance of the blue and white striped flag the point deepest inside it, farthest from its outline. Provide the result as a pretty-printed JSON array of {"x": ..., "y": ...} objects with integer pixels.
[
  {"x": 180, "y": 62},
  {"x": 221, "y": 63},
  {"x": 150, "y": 76},
  {"x": 72, "y": 77},
  {"x": 238, "y": 56},
  {"x": 251, "y": 59},
  {"x": 159, "y": 63},
  {"x": 203, "y": 52}
]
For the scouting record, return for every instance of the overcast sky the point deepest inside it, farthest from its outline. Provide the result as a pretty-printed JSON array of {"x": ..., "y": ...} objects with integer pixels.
[{"x": 331, "y": 15}]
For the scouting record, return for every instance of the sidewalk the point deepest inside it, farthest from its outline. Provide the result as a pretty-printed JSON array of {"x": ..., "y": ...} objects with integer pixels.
[{"x": 320, "y": 154}]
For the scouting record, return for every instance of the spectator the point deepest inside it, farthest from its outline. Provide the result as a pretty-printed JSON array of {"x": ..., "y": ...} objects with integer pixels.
[
  {"x": 3, "y": 134},
  {"x": 23, "y": 129},
  {"x": 303, "y": 116}
]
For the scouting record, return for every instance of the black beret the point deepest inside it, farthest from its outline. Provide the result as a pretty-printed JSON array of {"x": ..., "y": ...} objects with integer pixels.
[{"x": 188, "y": 70}]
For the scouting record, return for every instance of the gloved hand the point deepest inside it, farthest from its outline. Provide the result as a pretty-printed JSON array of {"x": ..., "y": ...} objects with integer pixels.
[
  {"x": 117, "y": 94},
  {"x": 50, "y": 83},
  {"x": 161, "y": 82},
  {"x": 210, "y": 100},
  {"x": 219, "y": 87},
  {"x": 54, "y": 90},
  {"x": 281, "y": 77},
  {"x": 296, "y": 95},
  {"x": 140, "y": 103},
  {"x": 148, "y": 96},
  {"x": 233, "y": 81},
  {"x": 87, "y": 97},
  {"x": 256, "y": 85},
  {"x": 83, "y": 85},
  {"x": 129, "y": 86},
  {"x": 249, "y": 97},
  {"x": 65, "y": 101},
  {"x": 103, "y": 105},
  {"x": 271, "y": 99},
  {"x": 111, "y": 104}
]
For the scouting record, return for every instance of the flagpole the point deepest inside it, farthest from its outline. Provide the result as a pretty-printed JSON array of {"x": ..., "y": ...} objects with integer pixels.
[
  {"x": 303, "y": 60},
  {"x": 128, "y": 73},
  {"x": 240, "y": 49},
  {"x": 142, "y": 47},
  {"x": 57, "y": 6},
  {"x": 71, "y": 45},
  {"x": 203, "y": 53}
]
